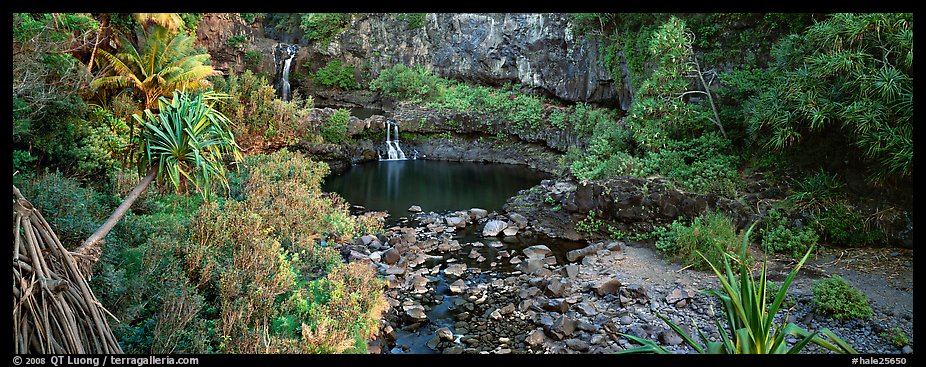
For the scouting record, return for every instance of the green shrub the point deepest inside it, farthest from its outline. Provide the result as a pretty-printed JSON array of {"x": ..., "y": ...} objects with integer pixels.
[
  {"x": 74, "y": 212},
  {"x": 252, "y": 59},
  {"x": 414, "y": 20},
  {"x": 589, "y": 224},
  {"x": 778, "y": 236},
  {"x": 403, "y": 82},
  {"x": 249, "y": 17},
  {"x": 841, "y": 224},
  {"x": 711, "y": 234},
  {"x": 896, "y": 337},
  {"x": 322, "y": 27},
  {"x": 835, "y": 297},
  {"x": 334, "y": 74},
  {"x": 334, "y": 129},
  {"x": 237, "y": 41}
]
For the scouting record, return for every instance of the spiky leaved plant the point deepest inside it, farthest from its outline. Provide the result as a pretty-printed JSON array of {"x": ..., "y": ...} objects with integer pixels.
[{"x": 751, "y": 326}]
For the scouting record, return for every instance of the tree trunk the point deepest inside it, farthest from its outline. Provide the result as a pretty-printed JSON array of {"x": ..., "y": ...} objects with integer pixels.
[{"x": 91, "y": 246}]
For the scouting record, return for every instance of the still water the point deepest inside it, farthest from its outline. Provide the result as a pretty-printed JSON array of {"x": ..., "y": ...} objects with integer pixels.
[{"x": 436, "y": 186}]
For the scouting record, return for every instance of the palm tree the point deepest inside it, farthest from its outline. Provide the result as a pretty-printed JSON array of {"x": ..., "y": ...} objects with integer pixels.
[
  {"x": 184, "y": 142},
  {"x": 163, "y": 62}
]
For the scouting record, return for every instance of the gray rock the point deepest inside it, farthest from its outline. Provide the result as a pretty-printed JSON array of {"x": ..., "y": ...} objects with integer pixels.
[
  {"x": 907, "y": 349},
  {"x": 433, "y": 342},
  {"x": 456, "y": 349},
  {"x": 577, "y": 344},
  {"x": 493, "y": 228},
  {"x": 571, "y": 270},
  {"x": 556, "y": 288},
  {"x": 587, "y": 308},
  {"x": 518, "y": 219},
  {"x": 458, "y": 286},
  {"x": 670, "y": 337},
  {"x": 510, "y": 231},
  {"x": 474, "y": 254},
  {"x": 531, "y": 266},
  {"x": 555, "y": 305},
  {"x": 416, "y": 312},
  {"x": 611, "y": 286},
  {"x": 626, "y": 320},
  {"x": 679, "y": 294},
  {"x": 537, "y": 252},
  {"x": 414, "y": 209},
  {"x": 564, "y": 325},
  {"x": 535, "y": 337},
  {"x": 633, "y": 294},
  {"x": 456, "y": 222},
  {"x": 478, "y": 213},
  {"x": 455, "y": 270},
  {"x": 577, "y": 254}
]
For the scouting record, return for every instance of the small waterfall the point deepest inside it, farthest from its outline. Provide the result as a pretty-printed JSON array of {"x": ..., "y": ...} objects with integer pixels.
[
  {"x": 284, "y": 76},
  {"x": 393, "y": 150}
]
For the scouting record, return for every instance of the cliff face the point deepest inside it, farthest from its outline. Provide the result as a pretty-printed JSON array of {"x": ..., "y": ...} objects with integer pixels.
[{"x": 539, "y": 51}]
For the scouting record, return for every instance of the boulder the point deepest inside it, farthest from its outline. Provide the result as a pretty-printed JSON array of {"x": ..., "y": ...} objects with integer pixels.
[
  {"x": 493, "y": 228},
  {"x": 537, "y": 252},
  {"x": 564, "y": 325},
  {"x": 556, "y": 288},
  {"x": 510, "y": 231},
  {"x": 456, "y": 222},
  {"x": 478, "y": 213},
  {"x": 578, "y": 254},
  {"x": 518, "y": 220},
  {"x": 455, "y": 270},
  {"x": 392, "y": 256},
  {"x": 416, "y": 312},
  {"x": 458, "y": 286},
  {"x": 444, "y": 333}
]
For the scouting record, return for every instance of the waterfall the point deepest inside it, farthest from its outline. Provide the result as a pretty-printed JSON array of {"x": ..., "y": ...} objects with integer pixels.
[
  {"x": 393, "y": 150},
  {"x": 284, "y": 77}
]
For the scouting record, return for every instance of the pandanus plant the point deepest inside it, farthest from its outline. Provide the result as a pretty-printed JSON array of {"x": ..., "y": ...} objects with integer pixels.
[{"x": 750, "y": 319}]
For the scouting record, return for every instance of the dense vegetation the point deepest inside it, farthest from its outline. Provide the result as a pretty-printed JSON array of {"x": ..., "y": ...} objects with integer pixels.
[
  {"x": 104, "y": 103},
  {"x": 225, "y": 252}
]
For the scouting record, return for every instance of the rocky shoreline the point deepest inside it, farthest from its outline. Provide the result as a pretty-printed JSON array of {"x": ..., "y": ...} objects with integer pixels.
[{"x": 469, "y": 282}]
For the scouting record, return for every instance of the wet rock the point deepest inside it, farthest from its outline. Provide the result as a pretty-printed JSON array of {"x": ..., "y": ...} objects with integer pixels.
[
  {"x": 537, "y": 252},
  {"x": 444, "y": 333},
  {"x": 611, "y": 286},
  {"x": 478, "y": 213},
  {"x": 455, "y": 270},
  {"x": 518, "y": 220},
  {"x": 433, "y": 342},
  {"x": 510, "y": 231},
  {"x": 456, "y": 222},
  {"x": 392, "y": 256},
  {"x": 416, "y": 312},
  {"x": 493, "y": 228},
  {"x": 577, "y": 344},
  {"x": 514, "y": 260},
  {"x": 456, "y": 349},
  {"x": 535, "y": 337},
  {"x": 414, "y": 209},
  {"x": 458, "y": 286}
]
